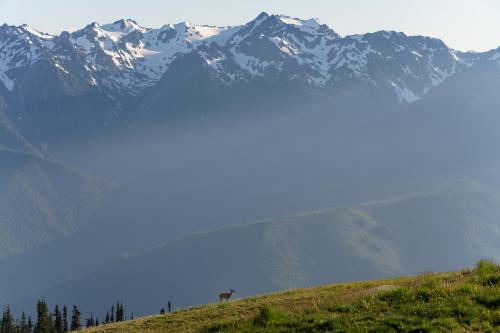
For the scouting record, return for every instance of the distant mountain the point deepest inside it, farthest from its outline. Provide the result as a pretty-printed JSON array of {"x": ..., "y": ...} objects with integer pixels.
[
  {"x": 102, "y": 75},
  {"x": 42, "y": 200},
  {"x": 128, "y": 57},
  {"x": 447, "y": 227}
]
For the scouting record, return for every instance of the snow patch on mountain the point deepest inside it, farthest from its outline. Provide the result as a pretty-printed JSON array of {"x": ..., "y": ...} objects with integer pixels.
[
  {"x": 37, "y": 33},
  {"x": 7, "y": 82},
  {"x": 251, "y": 64},
  {"x": 311, "y": 24},
  {"x": 123, "y": 27},
  {"x": 404, "y": 93},
  {"x": 212, "y": 34},
  {"x": 495, "y": 57}
]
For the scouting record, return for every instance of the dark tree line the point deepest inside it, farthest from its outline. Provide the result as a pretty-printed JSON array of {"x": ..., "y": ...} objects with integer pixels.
[
  {"x": 46, "y": 322},
  {"x": 116, "y": 314},
  {"x": 56, "y": 321}
]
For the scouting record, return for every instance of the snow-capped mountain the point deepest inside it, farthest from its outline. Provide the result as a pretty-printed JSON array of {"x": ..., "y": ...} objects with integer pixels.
[
  {"x": 125, "y": 58},
  {"x": 121, "y": 55},
  {"x": 20, "y": 47},
  {"x": 77, "y": 84}
]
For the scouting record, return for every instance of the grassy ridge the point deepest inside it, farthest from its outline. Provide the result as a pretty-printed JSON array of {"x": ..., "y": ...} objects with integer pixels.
[{"x": 465, "y": 301}]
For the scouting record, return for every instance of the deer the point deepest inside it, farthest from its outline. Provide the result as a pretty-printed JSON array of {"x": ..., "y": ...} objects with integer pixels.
[{"x": 226, "y": 296}]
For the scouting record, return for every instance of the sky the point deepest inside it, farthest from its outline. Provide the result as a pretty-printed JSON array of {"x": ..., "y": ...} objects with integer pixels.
[{"x": 462, "y": 24}]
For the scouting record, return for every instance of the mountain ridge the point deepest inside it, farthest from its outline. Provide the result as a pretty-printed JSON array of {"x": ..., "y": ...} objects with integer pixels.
[
  {"x": 124, "y": 55},
  {"x": 42, "y": 200}
]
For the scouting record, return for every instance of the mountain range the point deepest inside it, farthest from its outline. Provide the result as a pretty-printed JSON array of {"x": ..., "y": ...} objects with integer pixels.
[{"x": 106, "y": 74}]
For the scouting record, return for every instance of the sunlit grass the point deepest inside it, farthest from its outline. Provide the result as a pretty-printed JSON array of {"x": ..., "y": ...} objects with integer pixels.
[{"x": 465, "y": 301}]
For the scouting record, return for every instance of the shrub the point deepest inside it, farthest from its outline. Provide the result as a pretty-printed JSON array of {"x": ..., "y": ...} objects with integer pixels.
[
  {"x": 491, "y": 301},
  {"x": 465, "y": 289},
  {"x": 264, "y": 317},
  {"x": 217, "y": 327},
  {"x": 424, "y": 294},
  {"x": 341, "y": 308},
  {"x": 491, "y": 280},
  {"x": 485, "y": 267},
  {"x": 401, "y": 295}
]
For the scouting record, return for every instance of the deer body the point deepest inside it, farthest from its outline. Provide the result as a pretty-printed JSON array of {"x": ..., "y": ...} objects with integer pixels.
[{"x": 226, "y": 296}]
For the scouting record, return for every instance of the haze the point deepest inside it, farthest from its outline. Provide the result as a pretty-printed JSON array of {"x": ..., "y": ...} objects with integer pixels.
[{"x": 171, "y": 164}]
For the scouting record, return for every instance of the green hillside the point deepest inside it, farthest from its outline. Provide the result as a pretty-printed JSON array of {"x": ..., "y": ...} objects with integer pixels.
[
  {"x": 465, "y": 301},
  {"x": 41, "y": 200},
  {"x": 401, "y": 236}
]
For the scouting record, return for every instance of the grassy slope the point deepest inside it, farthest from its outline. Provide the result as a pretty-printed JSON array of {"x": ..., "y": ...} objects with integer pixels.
[{"x": 463, "y": 301}]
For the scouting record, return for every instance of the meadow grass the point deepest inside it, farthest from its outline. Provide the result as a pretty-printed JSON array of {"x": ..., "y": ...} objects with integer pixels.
[{"x": 465, "y": 301}]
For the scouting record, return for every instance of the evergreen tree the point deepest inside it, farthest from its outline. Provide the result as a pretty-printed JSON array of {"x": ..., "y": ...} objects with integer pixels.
[
  {"x": 8, "y": 323},
  {"x": 75, "y": 319},
  {"x": 112, "y": 318},
  {"x": 120, "y": 312},
  {"x": 90, "y": 322},
  {"x": 107, "y": 319},
  {"x": 25, "y": 325},
  {"x": 65, "y": 320},
  {"x": 96, "y": 322},
  {"x": 44, "y": 323},
  {"x": 58, "y": 321},
  {"x": 30, "y": 325},
  {"x": 117, "y": 314}
]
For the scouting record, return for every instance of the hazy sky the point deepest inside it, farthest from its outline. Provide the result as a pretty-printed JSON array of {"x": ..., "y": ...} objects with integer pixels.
[{"x": 462, "y": 24}]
